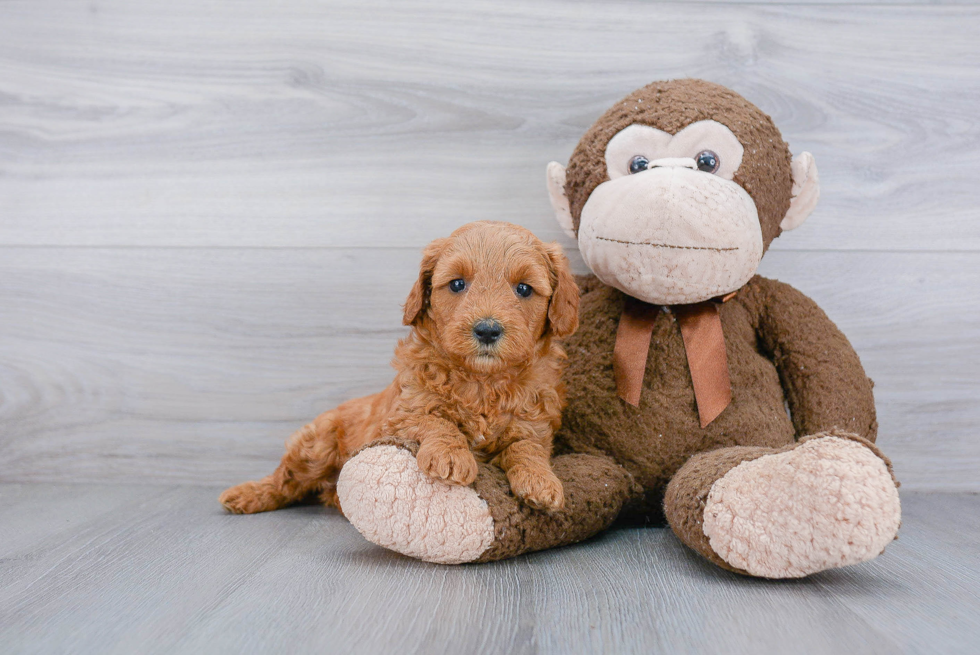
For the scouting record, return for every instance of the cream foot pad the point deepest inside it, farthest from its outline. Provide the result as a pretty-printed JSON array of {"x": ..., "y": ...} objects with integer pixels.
[
  {"x": 829, "y": 502},
  {"x": 393, "y": 504}
]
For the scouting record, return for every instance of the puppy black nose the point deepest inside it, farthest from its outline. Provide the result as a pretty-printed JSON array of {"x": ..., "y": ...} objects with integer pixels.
[{"x": 488, "y": 331}]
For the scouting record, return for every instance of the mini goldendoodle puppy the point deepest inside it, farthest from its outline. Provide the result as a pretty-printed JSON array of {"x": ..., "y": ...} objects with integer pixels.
[{"x": 479, "y": 376}]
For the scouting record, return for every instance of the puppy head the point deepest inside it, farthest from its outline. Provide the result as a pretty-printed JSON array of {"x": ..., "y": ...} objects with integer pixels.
[{"x": 491, "y": 292}]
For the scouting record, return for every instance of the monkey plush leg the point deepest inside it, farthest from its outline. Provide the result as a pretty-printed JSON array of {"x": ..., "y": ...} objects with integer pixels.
[
  {"x": 828, "y": 500},
  {"x": 395, "y": 505}
]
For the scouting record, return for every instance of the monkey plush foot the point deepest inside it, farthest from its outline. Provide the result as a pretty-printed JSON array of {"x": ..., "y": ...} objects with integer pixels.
[
  {"x": 828, "y": 502},
  {"x": 395, "y": 505}
]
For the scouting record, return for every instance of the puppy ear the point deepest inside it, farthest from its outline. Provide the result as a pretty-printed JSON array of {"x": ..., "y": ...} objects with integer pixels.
[
  {"x": 563, "y": 310},
  {"x": 418, "y": 298}
]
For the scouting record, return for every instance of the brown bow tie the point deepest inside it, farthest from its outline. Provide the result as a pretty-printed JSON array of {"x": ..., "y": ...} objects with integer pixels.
[{"x": 704, "y": 343}]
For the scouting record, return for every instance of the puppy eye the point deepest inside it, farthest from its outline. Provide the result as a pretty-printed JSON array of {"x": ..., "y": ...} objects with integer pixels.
[
  {"x": 457, "y": 285},
  {"x": 638, "y": 163},
  {"x": 707, "y": 161},
  {"x": 524, "y": 290}
]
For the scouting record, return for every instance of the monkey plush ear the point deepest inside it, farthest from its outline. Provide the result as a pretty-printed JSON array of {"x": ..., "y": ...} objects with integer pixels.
[
  {"x": 418, "y": 298},
  {"x": 559, "y": 201},
  {"x": 563, "y": 308},
  {"x": 806, "y": 191}
]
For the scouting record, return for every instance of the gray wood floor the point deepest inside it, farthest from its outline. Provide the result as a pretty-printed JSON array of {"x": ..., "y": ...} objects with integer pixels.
[{"x": 124, "y": 569}]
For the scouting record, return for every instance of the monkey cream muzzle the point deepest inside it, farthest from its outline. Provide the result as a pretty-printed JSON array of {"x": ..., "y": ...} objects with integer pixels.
[{"x": 671, "y": 235}]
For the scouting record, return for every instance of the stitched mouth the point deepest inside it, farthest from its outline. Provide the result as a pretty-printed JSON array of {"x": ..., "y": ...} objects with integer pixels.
[{"x": 665, "y": 245}]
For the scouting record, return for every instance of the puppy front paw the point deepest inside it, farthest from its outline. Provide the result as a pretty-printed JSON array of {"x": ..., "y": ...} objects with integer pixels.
[
  {"x": 538, "y": 487},
  {"x": 250, "y": 498},
  {"x": 453, "y": 464}
]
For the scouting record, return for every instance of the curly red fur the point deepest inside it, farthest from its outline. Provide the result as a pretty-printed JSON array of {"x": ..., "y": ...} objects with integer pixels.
[{"x": 462, "y": 400}]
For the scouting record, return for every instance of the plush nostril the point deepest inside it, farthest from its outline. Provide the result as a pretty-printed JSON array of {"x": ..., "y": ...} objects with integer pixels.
[{"x": 487, "y": 331}]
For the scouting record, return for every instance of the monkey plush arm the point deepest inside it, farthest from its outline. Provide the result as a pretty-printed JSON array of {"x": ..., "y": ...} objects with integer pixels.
[{"x": 822, "y": 377}]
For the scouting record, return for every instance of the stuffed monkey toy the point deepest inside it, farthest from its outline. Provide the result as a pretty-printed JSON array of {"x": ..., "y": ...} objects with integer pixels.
[{"x": 698, "y": 392}]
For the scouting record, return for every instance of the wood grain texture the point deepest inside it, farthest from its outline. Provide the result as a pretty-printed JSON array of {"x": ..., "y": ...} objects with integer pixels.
[
  {"x": 167, "y": 571},
  {"x": 210, "y": 212},
  {"x": 194, "y": 365},
  {"x": 375, "y": 124}
]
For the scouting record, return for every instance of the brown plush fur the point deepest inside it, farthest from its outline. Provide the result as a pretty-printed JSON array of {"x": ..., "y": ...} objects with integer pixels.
[
  {"x": 460, "y": 400},
  {"x": 782, "y": 350}
]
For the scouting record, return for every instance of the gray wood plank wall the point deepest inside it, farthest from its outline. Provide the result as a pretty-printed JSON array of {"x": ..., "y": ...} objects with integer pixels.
[{"x": 210, "y": 212}]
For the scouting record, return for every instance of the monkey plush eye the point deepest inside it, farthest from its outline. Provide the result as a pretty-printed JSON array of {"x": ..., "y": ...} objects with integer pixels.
[
  {"x": 457, "y": 285},
  {"x": 638, "y": 163},
  {"x": 524, "y": 290},
  {"x": 707, "y": 161}
]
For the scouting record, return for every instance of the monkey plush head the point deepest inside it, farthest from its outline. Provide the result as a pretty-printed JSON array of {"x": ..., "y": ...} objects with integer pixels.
[{"x": 675, "y": 193}]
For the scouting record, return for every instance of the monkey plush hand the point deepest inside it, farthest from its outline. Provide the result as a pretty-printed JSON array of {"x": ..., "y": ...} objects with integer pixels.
[{"x": 683, "y": 369}]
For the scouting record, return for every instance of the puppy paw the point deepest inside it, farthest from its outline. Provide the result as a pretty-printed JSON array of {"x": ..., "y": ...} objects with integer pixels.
[
  {"x": 250, "y": 498},
  {"x": 454, "y": 464},
  {"x": 537, "y": 487}
]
